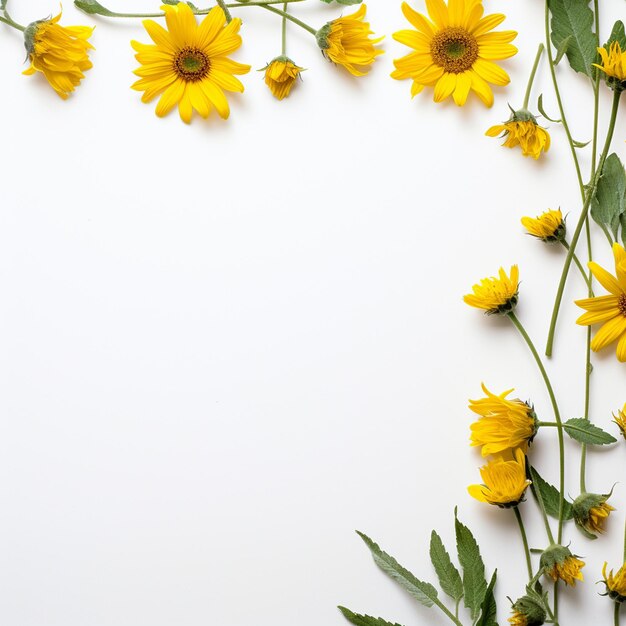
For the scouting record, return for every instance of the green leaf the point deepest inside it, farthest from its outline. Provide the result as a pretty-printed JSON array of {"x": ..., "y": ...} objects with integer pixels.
[
  {"x": 580, "y": 144},
  {"x": 583, "y": 430},
  {"x": 617, "y": 34},
  {"x": 574, "y": 19},
  {"x": 543, "y": 112},
  {"x": 449, "y": 577},
  {"x": 92, "y": 7},
  {"x": 562, "y": 49},
  {"x": 423, "y": 592},
  {"x": 550, "y": 496},
  {"x": 609, "y": 203},
  {"x": 488, "y": 609},
  {"x": 363, "y": 620},
  {"x": 474, "y": 583},
  {"x": 345, "y": 2}
]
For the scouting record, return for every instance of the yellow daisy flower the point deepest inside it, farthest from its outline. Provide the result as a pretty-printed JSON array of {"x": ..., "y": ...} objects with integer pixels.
[
  {"x": 615, "y": 583},
  {"x": 522, "y": 130},
  {"x": 613, "y": 65},
  {"x": 504, "y": 481},
  {"x": 188, "y": 64},
  {"x": 60, "y": 53},
  {"x": 560, "y": 564},
  {"x": 620, "y": 420},
  {"x": 281, "y": 75},
  {"x": 504, "y": 424},
  {"x": 591, "y": 512},
  {"x": 345, "y": 41},
  {"x": 496, "y": 295},
  {"x": 549, "y": 226},
  {"x": 609, "y": 310},
  {"x": 454, "y": 50}
]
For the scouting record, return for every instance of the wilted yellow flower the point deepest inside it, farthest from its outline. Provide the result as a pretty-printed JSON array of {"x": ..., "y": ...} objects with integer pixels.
[
  {"x": 620, "y": 420},
  {"x": 528, "y": 611},
  {"x": 615, "y": 583},
  {"x": 548, "y": 226},
  {"x": 504, "y": 481},
  {"x": 504, "y": 424},
  {"x": 522, "y": 130},
  {"x": 591, "y": 512},
  {"x": 454, "y": 50},
  {"x": 188, "y": 63},
  {"x": 280, "y": 76},
  {"x": 496, "y": 295},
  {"x": 60, "y": 53},
  {"x": 614, "y": 65},
  {"x": 345, "y": 41},
  {"x": 608, "y": 310},
  {"x": 560, "y": 564}
]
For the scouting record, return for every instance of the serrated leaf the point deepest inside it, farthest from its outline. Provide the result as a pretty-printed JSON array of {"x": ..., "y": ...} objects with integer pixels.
[
  {"x": 92, "y": 7},
  {"x": 609, "y": 203},
  {"x": 583, "y": 430},
  {"x": 364, "y": 620},
  {"x": 448, "y": 574},
  {"x": 550, "y": 496},
  {"x": 344, "y": 2},
  {"x": 543, "y": 112},
  {"x": 489, "y": 609},
  {"x": 423, "y": 592},
  {"x": 574, "y": 19},
  {"x": 617, "y": 34},
  {"x": 474, "y": 582}
]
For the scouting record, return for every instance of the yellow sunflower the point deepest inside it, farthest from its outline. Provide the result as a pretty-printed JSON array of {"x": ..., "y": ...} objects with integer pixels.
[
  {"x": 281, "y": 75},
  {"x": 615, "y": 583},
  {"x": 60, "y": 53},
  {"x": 620, "y": 420},
  {"x": 559, "y": 563},
  {"x": 188, "y": 64},
  {"x": 549, "y": 226},
  {"x": 496, "y": 294},
  {"x": 613, "y": 65},
  {"x": 522, "y": 130},
  {"x": 609, "y": 310},
  {"x": 454, "y": 50}
]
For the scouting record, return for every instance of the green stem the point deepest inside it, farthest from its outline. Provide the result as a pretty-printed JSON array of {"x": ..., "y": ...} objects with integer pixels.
[
  {"x": 616, "y": 614},
  {"x": 580, "y": 267},
  {"x": 443, "y": 607},
  {"x": 555, "y": 599},
  {"x": 8, "y": 20},
  {"x": 557, "y": 417},
  {"x": 596, "y": 92},
  {"x": 222, "y": 5},
  {"x": 533, "y": 72},
  {"x": 581, "y": 221},
  {"x": 284, "y": 30},
  {"x": 522, "y": 530},
  {"x": 291, "y": 18}
]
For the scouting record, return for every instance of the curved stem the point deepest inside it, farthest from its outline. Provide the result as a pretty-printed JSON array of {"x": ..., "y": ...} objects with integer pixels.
[
  {"x": 580, "y": 267},
  {"x": 557, "y": 417},
  {"x": 222, "y": 5},
  {"x": 522, "y": 530},
  {"x": 7, "y": 19},
  {"x": 581, "y": 221},
  {"x": 531, "y": 78},
  {"x": 291, "y": 18}
]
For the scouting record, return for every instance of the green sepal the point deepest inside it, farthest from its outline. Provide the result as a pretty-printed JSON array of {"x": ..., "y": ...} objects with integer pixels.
[
  {"x": 364, "y": 620},
  {"x": 582, "y": 430}
]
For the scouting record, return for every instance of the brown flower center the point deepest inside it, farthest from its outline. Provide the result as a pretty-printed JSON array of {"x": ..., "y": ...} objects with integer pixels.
[
  {"x": 621, "y": 304},
  {"x": 191, "y": 64},
  {"x": 454, "y": 49}
]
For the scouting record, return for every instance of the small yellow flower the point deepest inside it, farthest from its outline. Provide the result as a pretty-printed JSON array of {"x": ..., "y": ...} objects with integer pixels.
[
  {"x": 496, "y": 295},
  {"x": 345, "y": 41},
  {"x": 454, "y": 50},
  {"x": 620, "y": 420},
  {"x": 528, "y": 611},
  {"x": 615, "y": 583},
  {"x": 504, "y": 481},
  {"x": 591, "y": 512},
  {"x": 609, "y": 310},
  {"x": 188, "y": 64},
  {"x": 614, "y": 65},
  {"x": 522, "y": 130},
  {"x": 60, "y": 53},
  {"x": 281, "y": 75},
  {"x": 504, "y": 424},
  {"x": 560, "y": 564},
  {"x": 518, "y": 619},
  {"x": 549, "y": 226}
]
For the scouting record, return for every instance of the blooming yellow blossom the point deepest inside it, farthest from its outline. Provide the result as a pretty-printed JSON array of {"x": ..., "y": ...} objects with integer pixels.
[
  {"x": 614, "y": 65},
  {"x": 620, "y": 420},
  {"x": 504, "y": 481},
  {"x": 345, "y": 41},
  {"x": 504, "y": 424},
  {"x": 569, "y": 570},
  {"x": 609, "y": 310},
  {"x": 523, "y": 131},
  {"x": 454, "y": 50},
  {"x": 188, "y": 64},
  {"x": 549, "y": 226},
  {"x": 496, "y": 295},
  {"x": 281, "y": 75},
  {"x": 615, "y": 583},
  {"x": 60, "y": 53}
]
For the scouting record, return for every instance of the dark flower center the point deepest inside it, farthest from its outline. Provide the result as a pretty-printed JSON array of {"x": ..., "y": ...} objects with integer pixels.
[
  {"x": 622, "y": 304},
  {"x": 454, "y": 49},
  {"x": 191, "y": 64}
]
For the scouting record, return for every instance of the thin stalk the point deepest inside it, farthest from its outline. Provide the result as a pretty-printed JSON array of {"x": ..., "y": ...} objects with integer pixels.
[
  {"x": 7, "y": 19},
  {"x": 531, "y": 78},
  {"x": 596, "y": 92},
  {"x": 557, "y": 416},
  {"x": 580, "y": 267},
  {"x": 581, "y": 221},
  {"x": 222, "y": 5},
  {"x": 522, "y": 530},
  {"x": 544, "y": 515},
  {"x": 291, "y": 18},
  {"x": 284, "y": 30},
  {"x": 616, "y": 614}
]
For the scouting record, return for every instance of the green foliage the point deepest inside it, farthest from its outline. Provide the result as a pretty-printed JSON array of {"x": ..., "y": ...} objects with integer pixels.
[
  {"x": 572, "y": 31},
  {"x": 488, "y": 609},
  {"x": 550, "y": 496},
  {"x": 609, "y": 204},
  {"x": 584, "y": 431},
  {"x": 474, "y": 582},
  {"x": 449, "y": 577},
  {"x": 92, "y": 7},
  {"x": 364, "y": 620},
  {"x": 344, "y": 2},
  {"x": 617, "y": 34}
]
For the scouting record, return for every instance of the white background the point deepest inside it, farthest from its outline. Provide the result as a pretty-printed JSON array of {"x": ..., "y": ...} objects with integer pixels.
[{"x": 225, "y": 346}]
